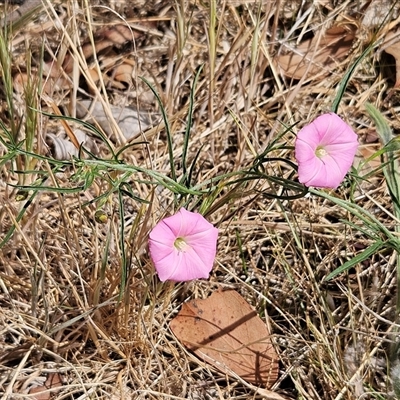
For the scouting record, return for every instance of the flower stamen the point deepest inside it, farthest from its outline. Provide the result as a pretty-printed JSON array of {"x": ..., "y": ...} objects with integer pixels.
[
  {"x": 320, "y": 152},
  {"x": 180, "y": 244}
]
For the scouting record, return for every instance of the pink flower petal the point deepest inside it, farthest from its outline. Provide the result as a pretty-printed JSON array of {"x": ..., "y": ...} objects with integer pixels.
[
  {"x": 330, "y": 133},
  {"x": 196, "y": 260}
]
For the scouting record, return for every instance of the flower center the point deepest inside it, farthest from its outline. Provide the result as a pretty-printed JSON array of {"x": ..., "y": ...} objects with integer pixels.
[
  {"x": 320, "y": 152},
  {"x": 180, "y": 244}
]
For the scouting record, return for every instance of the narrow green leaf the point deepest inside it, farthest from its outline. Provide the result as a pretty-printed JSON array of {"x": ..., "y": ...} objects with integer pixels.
[
  {"x": 382, "y": 126},
  {"x": 51, "y": 189},
  {"x": 167, "y": 128},
  {"x": 391, "y": 164},
  {"x": 124, "y": 271},
  {"x": 344, "y": 82},
  {"x": 359, "y": 212},
  {"x": 18, "y": 218},
  {"x": 368, "y": 252},
  {"x": 189, "y": 122}
]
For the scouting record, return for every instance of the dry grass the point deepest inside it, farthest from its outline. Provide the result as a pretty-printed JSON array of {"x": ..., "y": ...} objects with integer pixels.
[{"x": 61, "y": 306}]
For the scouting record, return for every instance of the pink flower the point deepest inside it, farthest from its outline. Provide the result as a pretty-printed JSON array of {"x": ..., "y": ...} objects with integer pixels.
[
  {"x": 183, "y": 247},
  {"x": 325, "y": 151}
]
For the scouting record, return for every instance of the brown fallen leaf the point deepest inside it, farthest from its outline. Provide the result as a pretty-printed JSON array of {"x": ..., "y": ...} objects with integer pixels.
[
  {"x": 225, "y": 331},
  {"x": 367, "y": 158},
  {"x": 104, "y": 40},
  {"x": 108, "y": 43},
  {"x": 392, "y": 47},
  {"x": 44, "y": 392},
  {"x": 333, "y": 47}
]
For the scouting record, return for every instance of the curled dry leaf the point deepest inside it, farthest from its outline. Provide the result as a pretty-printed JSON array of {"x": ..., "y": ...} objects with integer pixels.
[
  {"x": 122, "y": 75},
  {"x": 225, "y": 331},
  {"x": 118, "y": 76},
  {"x": 63, "y": 149},
  {"x": 333, "y": 47},
  {"x": 377, "y": 13},
  {"x": 130, "y": 121}
]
